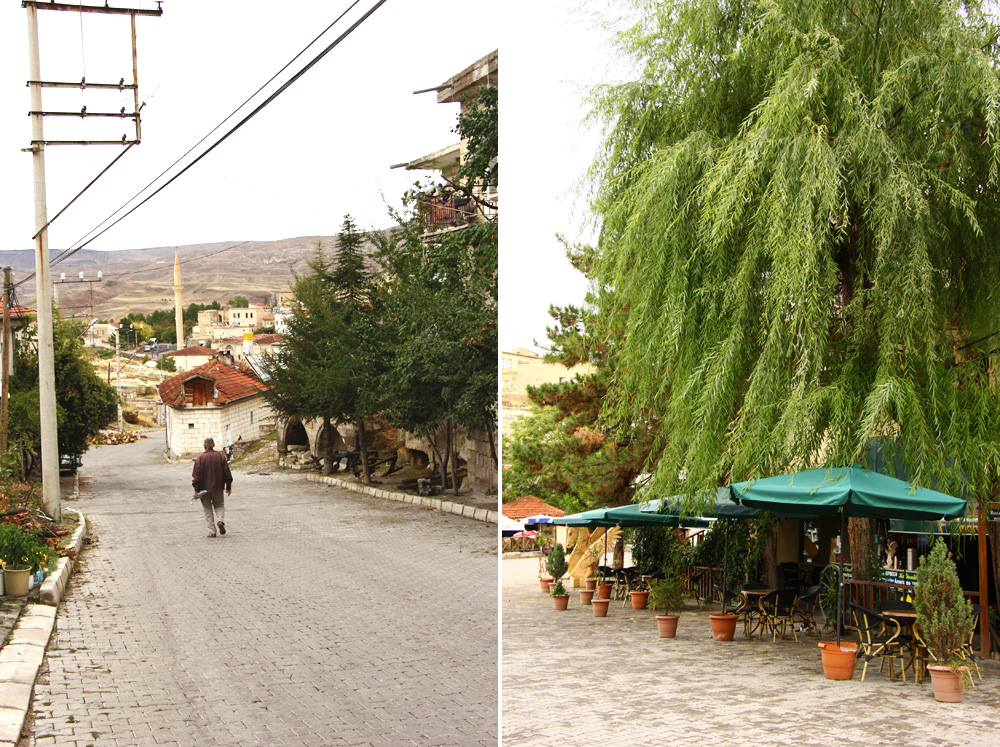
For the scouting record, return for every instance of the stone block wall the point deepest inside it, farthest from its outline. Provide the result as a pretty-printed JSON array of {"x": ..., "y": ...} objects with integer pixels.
[{"x": 188, "y": 427}]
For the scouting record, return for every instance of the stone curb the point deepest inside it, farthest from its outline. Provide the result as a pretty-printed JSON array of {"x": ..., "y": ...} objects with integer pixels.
[
  {"x": 19, "y": 663},
  {"x": 54, "y": 586},
  {"x": 459, "y": 509}
]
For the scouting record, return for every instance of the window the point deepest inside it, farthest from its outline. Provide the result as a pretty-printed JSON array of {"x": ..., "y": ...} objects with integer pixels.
[
  {"x": 251, "y": 417},
  {"x": 506, "y": 362},
  {"x": 191, "y": 426}
]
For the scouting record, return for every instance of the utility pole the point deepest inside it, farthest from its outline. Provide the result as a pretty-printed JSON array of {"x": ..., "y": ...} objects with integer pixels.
[
  {"x": 5, "y": 365},
  {"x": 62, "y": 281},
  {"x": 46, "y": 356},
  {"x": 118, "y": 380}
]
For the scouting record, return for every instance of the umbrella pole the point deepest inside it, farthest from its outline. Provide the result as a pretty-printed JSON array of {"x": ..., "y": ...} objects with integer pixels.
[
  {"x": 840, "y": 581},
  {"x": 725, "y": 566}
]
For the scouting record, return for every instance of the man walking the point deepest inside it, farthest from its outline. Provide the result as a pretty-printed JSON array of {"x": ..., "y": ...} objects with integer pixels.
[{"x": 210, "y": 476}]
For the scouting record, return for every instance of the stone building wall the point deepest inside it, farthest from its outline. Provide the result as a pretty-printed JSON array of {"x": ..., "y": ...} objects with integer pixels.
[{"x": 188, "y": 427}]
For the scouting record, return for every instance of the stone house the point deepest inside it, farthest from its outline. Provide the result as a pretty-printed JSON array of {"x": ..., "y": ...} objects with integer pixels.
[
  {"x": 191, "y": 357},
  {"x": 215, "y": 400}
]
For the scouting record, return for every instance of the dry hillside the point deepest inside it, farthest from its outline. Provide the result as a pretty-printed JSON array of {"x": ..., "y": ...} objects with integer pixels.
[{"x": 142, "y": 279}]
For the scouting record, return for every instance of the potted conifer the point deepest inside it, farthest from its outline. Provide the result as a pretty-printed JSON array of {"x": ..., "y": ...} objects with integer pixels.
[
  {"x": 945, "y": 619},
  {"x": 559, "y": 595},
  {"x": 666, "y": 594},
  {"x": 557, "y": 566}
]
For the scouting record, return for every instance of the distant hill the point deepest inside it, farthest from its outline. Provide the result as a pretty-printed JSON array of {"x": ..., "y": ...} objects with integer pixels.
[{"x": 142, "y": 279}]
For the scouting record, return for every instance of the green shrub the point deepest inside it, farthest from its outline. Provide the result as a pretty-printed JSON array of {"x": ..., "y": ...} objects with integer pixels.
[
  {"x": 22, "y": 549},
  {"x": 944, "y": 614},
  {"x": 558, "y": 590},
  {"x": 666, "y": 594},
  {"x": 556, "y": 563}
]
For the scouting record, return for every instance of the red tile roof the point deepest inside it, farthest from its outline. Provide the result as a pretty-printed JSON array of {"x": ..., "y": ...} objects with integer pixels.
[
  {"x": 529, "y": 505},
  {"x": 230, "y": 384},
  {"x": 269, "y": 339},
  {"x": 193, "y": 350}
]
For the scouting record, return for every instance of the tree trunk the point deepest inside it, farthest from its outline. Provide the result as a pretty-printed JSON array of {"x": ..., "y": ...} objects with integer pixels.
[
  {"x": 447, "y": 454},
  {"x": 328, "y": 450},
  {"x": 366, "y": 469},
  {"x": 454, "y": 455},
  {"x": 493, "y": 446},
  {"x": 769, "y": 560},
  {"x": 861, "y": 539},
  {"x": 619, "y": 553}
]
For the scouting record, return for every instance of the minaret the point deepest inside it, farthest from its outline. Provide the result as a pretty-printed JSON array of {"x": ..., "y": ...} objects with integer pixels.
[{"x": 178, "y": 308}]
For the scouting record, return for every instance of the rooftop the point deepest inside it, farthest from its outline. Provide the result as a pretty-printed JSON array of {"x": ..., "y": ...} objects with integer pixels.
[{"x": 230, "y": 384}]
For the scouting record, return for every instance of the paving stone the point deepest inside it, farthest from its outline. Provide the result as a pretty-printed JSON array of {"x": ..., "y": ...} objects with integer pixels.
[
  {"x": 574, "y": 680},
  {"x": 287, "y": 626},
  {"x": 11, "y": 721},
  {"x": 31, "y": 636},
  {"x": 22, "y": 652}
]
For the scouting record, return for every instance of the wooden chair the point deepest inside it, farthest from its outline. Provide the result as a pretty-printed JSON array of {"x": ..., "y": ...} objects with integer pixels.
[{"x": 805, "y": 608}]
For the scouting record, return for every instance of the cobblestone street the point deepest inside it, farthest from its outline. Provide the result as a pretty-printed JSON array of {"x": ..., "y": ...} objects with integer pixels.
[
  {"x": 572, "y": 679},
  {"x": 322, "y": 617}
]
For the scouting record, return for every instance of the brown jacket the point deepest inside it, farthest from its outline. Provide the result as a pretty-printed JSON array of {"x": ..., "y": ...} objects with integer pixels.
[{"x": 211, "y": 472}]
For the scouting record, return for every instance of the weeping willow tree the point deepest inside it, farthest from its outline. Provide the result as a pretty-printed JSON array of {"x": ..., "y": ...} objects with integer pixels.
[{"x": 799, "y": 217}]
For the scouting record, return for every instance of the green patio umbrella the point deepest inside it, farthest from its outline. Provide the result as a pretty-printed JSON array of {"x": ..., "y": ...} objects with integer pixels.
[{"x": 851, "y": 491}]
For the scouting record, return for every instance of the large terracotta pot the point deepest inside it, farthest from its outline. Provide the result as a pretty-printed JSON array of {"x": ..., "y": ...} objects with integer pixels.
[
  {"x": 723, "y": 627},
  {"x": 600, "y": 607},
  {"x": 639, "y": 599},
  {"x": 561, "y": 600},
  {"x": 586, "y": 595},
  {"x": 948, "y": 685},
  {"x": 604, "y": 591},
  {"x": 667, "y": 625},
  {"x": 839, "y": 661},
  {"x": 591, "y": 584},
  {"x": 544, "y": 582}
]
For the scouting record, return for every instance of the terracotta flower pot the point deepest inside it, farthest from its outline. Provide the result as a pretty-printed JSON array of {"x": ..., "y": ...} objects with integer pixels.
[
  {"x": 604, "y": 591},
  {"x": 544, "y": 583},
  {"x": 948, "y": 685},
  {"x": 561, "y": 600},
  {"x": 667, "y": 625},
  {"x": 591, "y": 584},
  {"x": 839, "y": 661},
  {"x": 723, "y": 627},
  {"x": 639, "y": 599},
  {"x": 600, "y": 607},
  {"x": 586, "y": 595}
]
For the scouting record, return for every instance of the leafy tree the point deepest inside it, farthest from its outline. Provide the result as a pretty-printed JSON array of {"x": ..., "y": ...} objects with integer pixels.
[
  {"x": 84, "y": 402},
  {"x": 437, "y": 318},
  {"x": 319, "y": 371},
  {"x": 479, "y": 126},
  {"x": 239, "y": 302},
  {"x": 810, "y": 191},
  {"x": 167, "y": 363}
]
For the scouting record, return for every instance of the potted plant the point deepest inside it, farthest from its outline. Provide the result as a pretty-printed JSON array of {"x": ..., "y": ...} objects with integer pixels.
[
  {"x": 556, "y": 564},
  {"x": 945, "y": 619},
  {"x": 592, "y": 577},
  {"x": 559, "y": 595},
  {"x": 666, "y": 594},
  {"x": 22, "y": 554}
]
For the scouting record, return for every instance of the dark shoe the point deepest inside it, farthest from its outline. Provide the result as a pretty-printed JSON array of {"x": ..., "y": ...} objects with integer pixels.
[{"x": 222, "y": 527}]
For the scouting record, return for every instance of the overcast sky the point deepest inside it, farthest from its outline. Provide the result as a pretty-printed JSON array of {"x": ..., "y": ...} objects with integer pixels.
[
  {"x": 320, "y": 150},
  {"x": 324, "y": 147}
]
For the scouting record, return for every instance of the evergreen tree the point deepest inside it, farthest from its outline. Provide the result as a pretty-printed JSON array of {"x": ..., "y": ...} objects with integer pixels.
[
  {"x": 321, "y": 371},
  {"x": 349, "y": 275},
  {"x": 799, "y": 212}
]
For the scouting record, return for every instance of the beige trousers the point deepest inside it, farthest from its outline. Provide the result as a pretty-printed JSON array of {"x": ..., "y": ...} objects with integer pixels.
[{"x": 215, "y": 508}]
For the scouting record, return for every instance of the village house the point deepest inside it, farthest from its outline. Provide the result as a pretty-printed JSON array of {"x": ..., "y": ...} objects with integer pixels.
[
  {"x": 191, "y": 357},
  {"x": 213, "y": 400},
  {"x": 235, "y": 348}
]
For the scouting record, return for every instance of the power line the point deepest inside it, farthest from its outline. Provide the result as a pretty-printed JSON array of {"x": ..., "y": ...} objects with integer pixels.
[
  {"x": 213, "y": 130},
  {"x": 69, "y": 252}
]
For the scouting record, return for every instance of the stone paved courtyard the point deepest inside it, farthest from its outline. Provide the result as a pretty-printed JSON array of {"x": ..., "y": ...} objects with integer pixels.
[
  {"x": 572, "y": 679},
  {"x": 322, "y": 618}
]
